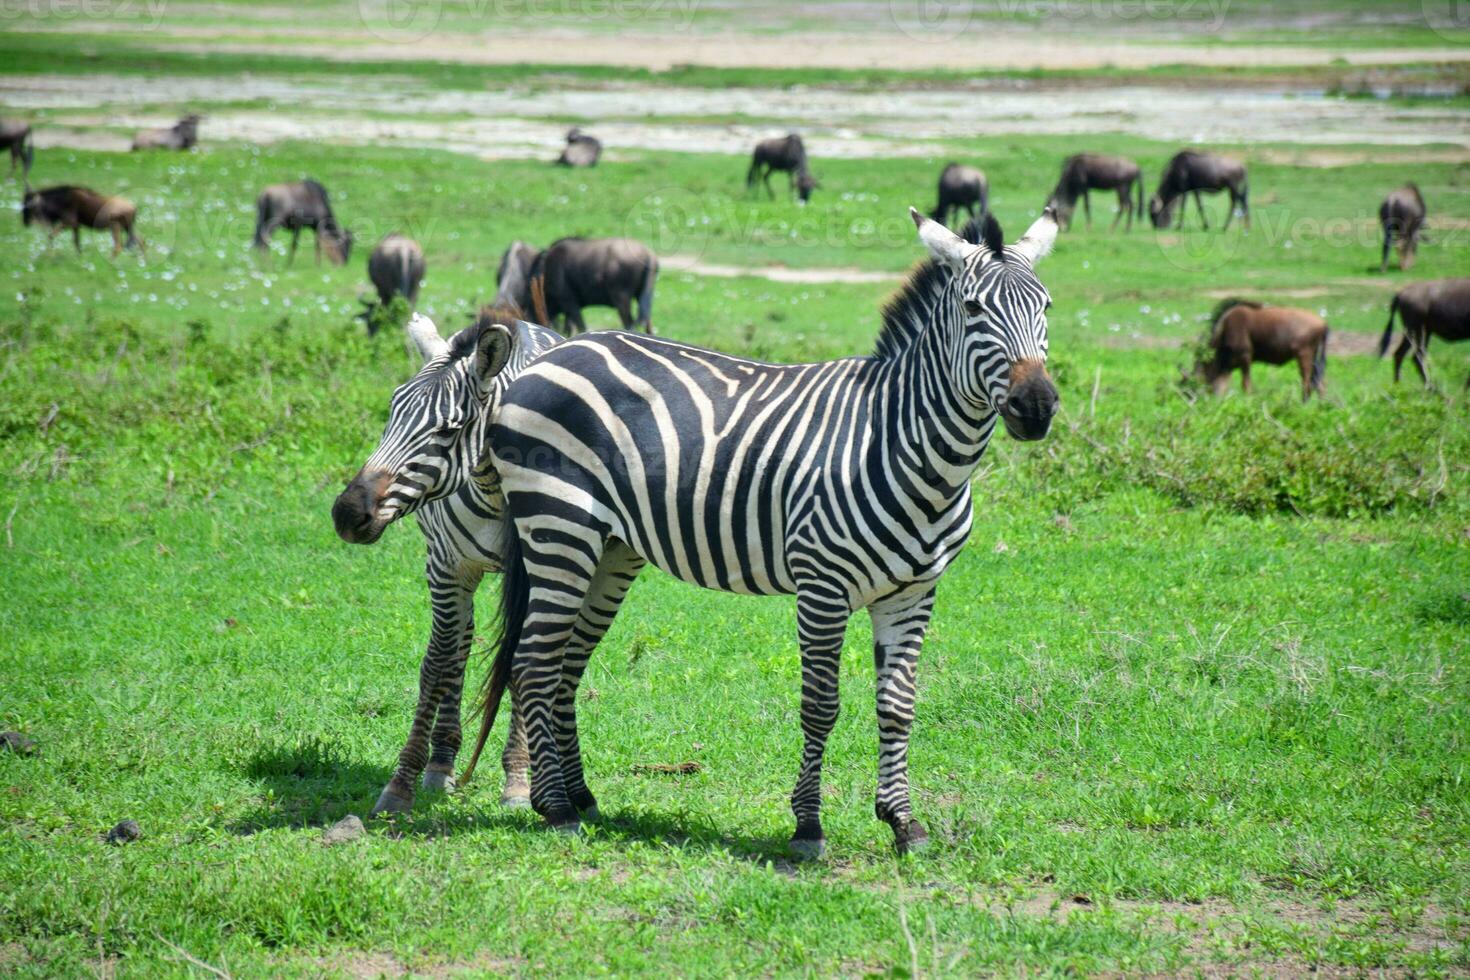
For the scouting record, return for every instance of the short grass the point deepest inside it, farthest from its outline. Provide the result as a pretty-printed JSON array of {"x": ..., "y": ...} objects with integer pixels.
[{"x": 1195, "y": 695}]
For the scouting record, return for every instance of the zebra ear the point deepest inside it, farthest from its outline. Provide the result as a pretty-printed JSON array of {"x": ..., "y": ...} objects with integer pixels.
[
  {"x": 1040, "y": 237},
  {"x": 943, "y": 244},
  {"x": 492, "y": 351},
  {"x": 425, "y": 337}
]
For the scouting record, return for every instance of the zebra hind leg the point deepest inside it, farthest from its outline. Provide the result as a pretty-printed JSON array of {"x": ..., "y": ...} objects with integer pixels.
[
  {"x": 515, "y": 761},
  {"x": 615, "y": 574},
  {"x": 821, "y": 623},
  {"x": 898, "y": 634}
]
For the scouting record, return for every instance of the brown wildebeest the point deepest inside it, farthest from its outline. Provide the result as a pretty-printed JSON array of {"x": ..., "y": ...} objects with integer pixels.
[
  {"x": 66, "y": 206},
  {"x": 297, "y": 206},
  {"x": 1192, "y": 172},
  {"x": 15, "y": 136},
  {"x": 395, "y": 267},
  {"x": 787, "y": 154},
  {"x": 1243, "y": 332},
  {"x": 1402, "y": 215},
  {"x": 577, "y": 272},
  {"x": 513, "y": 277},
  {"x": 582, "y": 150},
  {"x": 961, "y": 187},
  {"x": 1434, "y": 306},
  {"x": 182, "y": 135},
  {"x": 1083, "y": 172}
]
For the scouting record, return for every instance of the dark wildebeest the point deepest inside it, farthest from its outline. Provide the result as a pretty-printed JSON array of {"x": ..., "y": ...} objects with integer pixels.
[
  {"x": 395, "y": 267},
  {"x": 582, "y": 150},
  {"x": 961, "y": 187},
  {"x": 76, "y": 208},
  {"x": 576, "y": 272},
  {"x": 297, "y": 206},
  {"x": 1434, "y": 306},
  {"x": 1402, "y": 215},
  {"x": 182, "y": 135},
  {"x": 1192, "y": 172},
  {"x": 513, "y": 277},
  {"x": 787, "y": 154},
  {"x": 1083, "y": 172},
  {"x": 15, "y": 136},
  {"x": 1243, "y": 332}
]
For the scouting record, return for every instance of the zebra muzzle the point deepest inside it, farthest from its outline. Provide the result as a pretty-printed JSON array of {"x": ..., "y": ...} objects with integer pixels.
[
  {"x": 355, "y": 511},
  {"x": 1031, "y": 401}
]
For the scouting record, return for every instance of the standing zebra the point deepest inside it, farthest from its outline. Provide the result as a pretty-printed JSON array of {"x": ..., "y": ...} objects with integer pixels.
[
  {"x": 846, "y": 483},
  {"x": 436, "y": 444}
]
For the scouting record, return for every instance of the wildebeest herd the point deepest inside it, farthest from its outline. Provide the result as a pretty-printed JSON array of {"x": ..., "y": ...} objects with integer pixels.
[{"x": 570, "y": 464}]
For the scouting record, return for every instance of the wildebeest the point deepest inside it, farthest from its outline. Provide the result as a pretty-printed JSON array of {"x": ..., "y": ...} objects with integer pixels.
[
  {"x": 1434, "y": 306},
  {"x": 513, "y": 277},
  {"x": 577, "y": 272},
  {"x": 182, "y": 135},
  {"x": 961, "y": 187},
  {"x": 68, "y": 206},
  {"x": 1191, "y": 171},
  {"x": 787, "y": 154},
  {"x": 581, "y": 150},
  {"x": 1402, "y": 215},
  {"x": 1083, "y": 172},
  {"x": 1243, "y": 332},
  {"x": 302, "y": 204},
  {"x": 15, "y": 136},
  {"x": 395, "y": 268}
]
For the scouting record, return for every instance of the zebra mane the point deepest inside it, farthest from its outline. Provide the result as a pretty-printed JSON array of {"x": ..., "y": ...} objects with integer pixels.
[{"x": 910, "y": 310}]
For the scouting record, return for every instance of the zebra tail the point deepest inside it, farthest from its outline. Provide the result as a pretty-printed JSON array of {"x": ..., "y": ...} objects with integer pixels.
[
  {"x": 1393, "y": 308},
  {"x": 515, "y": 594}
]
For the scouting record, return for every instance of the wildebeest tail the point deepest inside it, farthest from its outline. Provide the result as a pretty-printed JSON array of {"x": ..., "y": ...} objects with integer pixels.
[
  {"x": 1319, "y": 361},
  {"x": 27, "y": 153},
  {"x": 1393, "y": 308},
  {"x": 538, "y": 299},
  {"x": 1138, "y": 183},
  {"x": 515, "y": 596},
  {"x": 404, "y": 261},
  {"x": 750, "y": 175},
  {"x": 645, "y": 298}
]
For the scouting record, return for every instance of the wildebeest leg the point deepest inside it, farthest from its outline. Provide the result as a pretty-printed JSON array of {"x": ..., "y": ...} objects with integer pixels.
[
  {"x": 1304, "y": 361},
  {"x": 1398, "y": 356},
  {"x": 766, "y": 179},
  {"x": 1408, "y": 246},
  {"x": 574, "y": 321},
  {"x": 76, "y": 237},
  {"x": 1245, "y": 376},
  {"x": 1087, "y": 208},
  {"x": 625, "y": 310},
  {"x": 117, "y": 240},
  {"x": 295, "y": 240},
  {"x": 1199, "y": 205},
  {"x": 898, "y": 635},
  {"x": 1387, "y": 246},
  {"x": 1419, "y": 345},
  {"x": 1125, "y": 203}
]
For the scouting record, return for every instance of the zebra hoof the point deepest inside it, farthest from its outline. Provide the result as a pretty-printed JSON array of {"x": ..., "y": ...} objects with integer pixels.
[
  {"x": 516, "y": 799},
  {"x": 572, "y": 828},
  {"x": 914, "y": 839},
  {"x": 592, "y": 814},
  {"x": 391, "y": 802},
  {"x": 439, "y": 779},
  {"x": 808, "y": 848}
]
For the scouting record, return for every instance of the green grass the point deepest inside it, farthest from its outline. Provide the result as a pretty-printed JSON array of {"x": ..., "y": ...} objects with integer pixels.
[{"x": 1195, "y": 695}]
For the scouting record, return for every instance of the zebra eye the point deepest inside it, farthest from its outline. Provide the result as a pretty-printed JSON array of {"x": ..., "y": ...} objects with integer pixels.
[{"x": 972, "y": 308}]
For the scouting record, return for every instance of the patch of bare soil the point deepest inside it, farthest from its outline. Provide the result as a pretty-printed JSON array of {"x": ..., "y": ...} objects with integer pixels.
[
  {"x": 375, "y": 965},
  {"x": 777, "y": 273}
]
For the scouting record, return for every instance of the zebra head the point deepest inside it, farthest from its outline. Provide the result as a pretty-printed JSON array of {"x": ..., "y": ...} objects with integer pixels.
[
  {"x": 999, "y": 307},
  {"x": 434, "y": 432}
]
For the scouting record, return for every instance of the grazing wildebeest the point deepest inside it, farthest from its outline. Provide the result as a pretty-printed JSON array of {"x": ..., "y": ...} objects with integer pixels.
[
  {"x": 785, "y": 153},
  {"x": 395, "y": 268},
  {"x": 1192, "y": 172},
  {"x": 513, "y": 277},
  {"x": 576, "y": 272},
  {"x": 453, "y": 490},
  {"x": 15, "y": 136},
  {"x": 1434, "y": 306},
  {"x": 582, "y": 150},
  {"x": 961, "y": 187},
  {"x": 1402, "y": 215},
  {"x": 182, "y": 135},
  {"x": 1083, "y": 172},
  {"x": 1243, "y": 332},
  {"x": 76, "y": 208},
  {"x": 297, "y": 206}
]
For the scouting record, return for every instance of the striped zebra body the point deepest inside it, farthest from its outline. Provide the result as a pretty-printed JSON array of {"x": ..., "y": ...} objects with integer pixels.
[
  {"x": 845, "y": 483},
  {"x": 454, "y": 492}
]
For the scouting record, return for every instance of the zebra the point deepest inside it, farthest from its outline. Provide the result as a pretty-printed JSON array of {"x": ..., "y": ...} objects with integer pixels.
[
  {"x": 435, "y": 443},
  {"x": 845, "y": 482}
]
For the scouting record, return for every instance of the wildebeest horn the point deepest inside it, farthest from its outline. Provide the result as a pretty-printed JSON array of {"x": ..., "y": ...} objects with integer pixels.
[
  {"x": 425, "y": 337},
  {"x": 1040, "y": 237}
]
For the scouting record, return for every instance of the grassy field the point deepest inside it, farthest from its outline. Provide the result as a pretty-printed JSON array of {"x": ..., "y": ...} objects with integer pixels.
[{"x": 1195, "y": 697}]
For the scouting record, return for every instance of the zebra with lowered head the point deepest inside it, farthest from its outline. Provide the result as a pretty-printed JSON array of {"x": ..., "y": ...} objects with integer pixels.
[
  {"x": 846, "y": 483},
  {"x": 432, "y": 462}
]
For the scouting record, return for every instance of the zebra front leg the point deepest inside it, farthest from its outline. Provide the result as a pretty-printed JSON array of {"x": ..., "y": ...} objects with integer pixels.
[
  {"x": 453, "y": 606},
  {"x": 898, "y": 634},
  {"x": 821, "y": 621}
]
